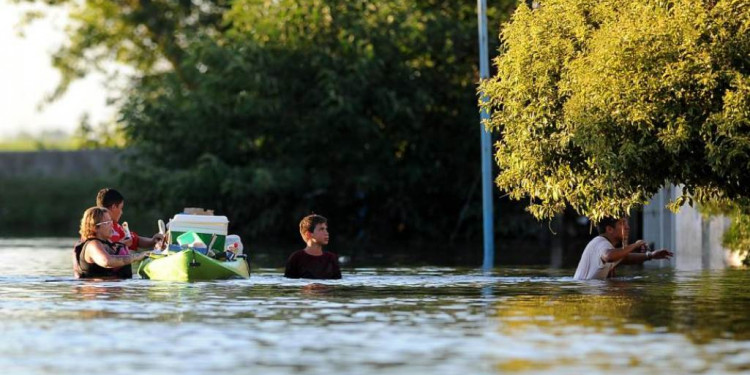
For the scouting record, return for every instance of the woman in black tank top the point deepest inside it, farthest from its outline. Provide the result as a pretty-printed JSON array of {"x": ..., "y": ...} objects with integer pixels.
[{"x": 94, "y": 256}]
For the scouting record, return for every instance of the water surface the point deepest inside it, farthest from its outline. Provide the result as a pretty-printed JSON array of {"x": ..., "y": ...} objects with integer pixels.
[{"x": 374, "y": 321}]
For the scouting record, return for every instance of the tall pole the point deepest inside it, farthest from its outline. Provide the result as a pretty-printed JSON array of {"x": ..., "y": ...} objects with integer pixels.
[{"x": 484, "y": 73}]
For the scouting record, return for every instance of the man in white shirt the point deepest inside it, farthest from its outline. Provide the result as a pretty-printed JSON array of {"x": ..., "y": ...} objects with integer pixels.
[{"x": 600, "y": 255}]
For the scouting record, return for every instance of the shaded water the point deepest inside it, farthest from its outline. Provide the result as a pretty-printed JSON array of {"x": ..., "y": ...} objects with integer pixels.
[{"x": 395, "y": 321}]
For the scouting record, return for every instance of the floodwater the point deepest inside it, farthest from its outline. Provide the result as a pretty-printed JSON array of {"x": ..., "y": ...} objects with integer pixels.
[{"x": 374, "y": 321}]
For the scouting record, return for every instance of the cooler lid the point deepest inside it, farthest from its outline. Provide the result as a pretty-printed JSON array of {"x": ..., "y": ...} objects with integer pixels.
[{"x": 198, "y": 219}]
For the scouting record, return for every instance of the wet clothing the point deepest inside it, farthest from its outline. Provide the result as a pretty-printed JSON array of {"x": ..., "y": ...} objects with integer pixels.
[
  {"x": 85, "y": 270},
  {"x": 119, "y": 235},
  {"x": 302, "y": 265},
  {"x": 592, "y": 266}
]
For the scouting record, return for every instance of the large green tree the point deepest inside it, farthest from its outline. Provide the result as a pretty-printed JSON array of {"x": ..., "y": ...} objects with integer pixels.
[
  {"x": 359, "y": 110},
  {"x": 600, "y": 103},
  {"x": 146, "y": 36}
]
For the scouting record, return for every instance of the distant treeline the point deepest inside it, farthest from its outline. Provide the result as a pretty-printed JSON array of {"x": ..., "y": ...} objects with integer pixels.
[{"x": 46, "y": 140}]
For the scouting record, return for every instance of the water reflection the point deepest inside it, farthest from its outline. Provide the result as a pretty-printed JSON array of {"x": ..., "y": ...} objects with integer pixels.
[{"x": 397, "y": 320}]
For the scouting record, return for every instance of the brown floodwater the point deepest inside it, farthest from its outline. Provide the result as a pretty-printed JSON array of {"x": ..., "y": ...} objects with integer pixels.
[{"x": 376, "y": 320}]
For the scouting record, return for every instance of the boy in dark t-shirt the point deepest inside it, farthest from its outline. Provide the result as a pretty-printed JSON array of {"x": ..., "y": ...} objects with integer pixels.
[{"x": 312, "y": 262}]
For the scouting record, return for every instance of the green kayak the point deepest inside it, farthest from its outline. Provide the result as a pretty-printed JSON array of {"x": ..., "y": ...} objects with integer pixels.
[{"x": 191, "y": 265}]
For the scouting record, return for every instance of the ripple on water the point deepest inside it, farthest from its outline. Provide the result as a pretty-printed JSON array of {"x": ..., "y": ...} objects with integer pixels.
[{"x": 424, "y": 320}]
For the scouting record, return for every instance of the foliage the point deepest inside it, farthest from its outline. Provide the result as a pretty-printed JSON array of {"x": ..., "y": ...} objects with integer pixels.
[
  {"x": 737, "y": 236},
  {"x": 147, "y": 36},
  {"x": 46, "y": 140},
  {"x": 107, "y": 135},
  {"x": 358, "y": 110},
  {"x": 599, "y": 104}
]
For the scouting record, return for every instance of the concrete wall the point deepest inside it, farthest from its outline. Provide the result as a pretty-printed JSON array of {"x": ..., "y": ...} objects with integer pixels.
[
  {"x": 695, "y": 240},
  {"x": 57, "y": 163},
  {"x": 659, "y": 225}
]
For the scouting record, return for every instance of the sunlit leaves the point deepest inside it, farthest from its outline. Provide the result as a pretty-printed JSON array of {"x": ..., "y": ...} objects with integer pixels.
[
  {"x": 599, "y": 104},
  {"x": 147, "y": 36}
]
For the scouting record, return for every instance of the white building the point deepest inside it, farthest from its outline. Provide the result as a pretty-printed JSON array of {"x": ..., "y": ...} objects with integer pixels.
[{"x": 695, "y": 240}]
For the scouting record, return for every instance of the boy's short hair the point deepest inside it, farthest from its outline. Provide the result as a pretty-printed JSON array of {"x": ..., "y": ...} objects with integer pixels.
[
  {"x": 607, "y": 221},
  {"x": 108, "y": 197},
  {"x": 309, "y": 223}
]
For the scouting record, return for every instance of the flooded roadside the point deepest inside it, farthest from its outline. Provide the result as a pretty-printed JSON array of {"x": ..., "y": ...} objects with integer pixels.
[{"x": 385, "y": 320}]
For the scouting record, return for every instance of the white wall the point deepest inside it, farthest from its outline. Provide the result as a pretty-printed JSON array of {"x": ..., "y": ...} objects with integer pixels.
[
  {"x": 696, "y": 241},
  {"x": 659, "y": 225}
]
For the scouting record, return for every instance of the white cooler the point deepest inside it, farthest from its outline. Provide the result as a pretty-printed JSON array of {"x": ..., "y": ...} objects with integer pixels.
[{"x": 205, "y": 226}]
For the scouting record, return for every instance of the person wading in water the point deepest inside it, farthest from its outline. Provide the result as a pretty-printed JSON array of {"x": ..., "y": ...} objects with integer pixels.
[
  {"x": 601, "y": 256},
  {"x": 95, "y": 256}
]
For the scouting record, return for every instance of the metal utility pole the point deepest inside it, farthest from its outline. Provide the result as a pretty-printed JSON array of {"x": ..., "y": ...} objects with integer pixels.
[{"x": 484, "y": 73}]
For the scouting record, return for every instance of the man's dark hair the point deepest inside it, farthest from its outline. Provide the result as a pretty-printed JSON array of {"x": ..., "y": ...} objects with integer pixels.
[
  {"x": 605, "y": 222},
  {"x": 309, "y": 223},
  {"x": 108, "y": 197}
]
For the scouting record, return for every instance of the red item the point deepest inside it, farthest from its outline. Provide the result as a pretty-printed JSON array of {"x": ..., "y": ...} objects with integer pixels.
[{"x": 119, "y": 235}]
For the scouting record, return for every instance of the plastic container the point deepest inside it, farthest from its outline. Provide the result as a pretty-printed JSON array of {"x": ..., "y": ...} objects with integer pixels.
[
  {"x": 204, "y": 227},
  {"x": 233, "y": 243},
  {"x": 201, "y": 250},
  {"x": 191, "y": 239},
  {"x": 126, "y": 229}
]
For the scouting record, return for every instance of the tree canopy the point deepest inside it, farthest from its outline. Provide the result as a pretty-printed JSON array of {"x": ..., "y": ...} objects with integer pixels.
[
  {"x": 358, "y": 110},
  {"x": 600, "y": 103},
  {"x": 146, "y": 36}
]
